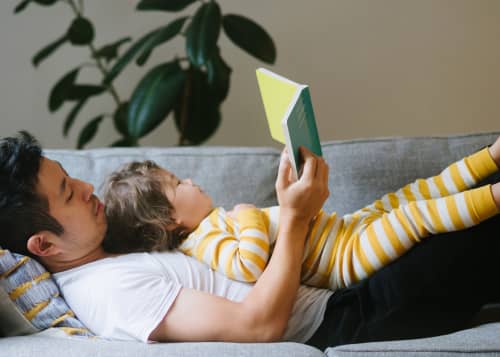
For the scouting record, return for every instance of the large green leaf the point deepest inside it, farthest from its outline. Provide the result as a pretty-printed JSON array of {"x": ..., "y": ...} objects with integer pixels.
[
  {"x": 120, "y": 119},
  {"x": 110, "y": 52},
  {"x": 154, "y": 97},
  {"x": 164, "y": 5},
  {"x": 21, "y": 6},
  {"x": 47, "y": 50},
  {"x": 70, "y": 119},
  {"x": 46, "y": 2},
  {"x": 203, "y": 33},
  {"x": 197, "y": 114},
  {"x": 88, "y": 132},
  {"x": 59, "y": 92},
  {"x": 81, "y": 32},
  {"x": 249, "y": 36},
  {"x": 128, "y": 56},
  {"x": 161, "y": 36},
  {"x": 219, "y": 74},
  {"x": 81, "y": 91}
]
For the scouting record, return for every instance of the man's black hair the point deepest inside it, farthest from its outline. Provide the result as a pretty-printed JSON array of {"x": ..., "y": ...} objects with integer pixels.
[{"x": 23, "y": 211}]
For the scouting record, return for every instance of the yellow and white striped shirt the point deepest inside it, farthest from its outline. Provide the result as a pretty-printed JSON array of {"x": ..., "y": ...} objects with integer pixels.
[{"x": 343, "y": 250}]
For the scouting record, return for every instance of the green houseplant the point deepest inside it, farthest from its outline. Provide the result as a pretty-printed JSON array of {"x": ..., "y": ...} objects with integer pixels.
[{"x": 192, "y": 86}]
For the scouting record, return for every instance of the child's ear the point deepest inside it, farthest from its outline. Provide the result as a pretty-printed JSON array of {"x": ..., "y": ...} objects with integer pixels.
[
  {"x": 173, "y": 226},
  {"x": 42, "y": 244}
]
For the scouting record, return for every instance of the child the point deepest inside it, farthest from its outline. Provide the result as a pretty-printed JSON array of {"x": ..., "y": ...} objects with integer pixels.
[{"x": 149, "y": 208}]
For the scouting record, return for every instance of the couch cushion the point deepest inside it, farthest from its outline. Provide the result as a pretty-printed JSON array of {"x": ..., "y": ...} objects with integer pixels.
[
  {"x": 361, "y": 171},
  {"x": 481, "y": 341},
  {"x": 30, "y": 300},
  {"x": 45, "y": 345}
]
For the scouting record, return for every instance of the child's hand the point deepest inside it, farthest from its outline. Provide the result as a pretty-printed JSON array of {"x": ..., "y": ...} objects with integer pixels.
[
  {"x": 240, "y": 207},
  {"x": 495, "y": 151}
]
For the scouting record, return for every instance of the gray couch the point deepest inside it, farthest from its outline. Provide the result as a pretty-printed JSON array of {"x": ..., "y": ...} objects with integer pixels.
[{"x": 361, "y": 171}]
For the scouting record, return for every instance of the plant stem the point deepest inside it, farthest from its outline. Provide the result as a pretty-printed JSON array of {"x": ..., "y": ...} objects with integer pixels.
[
  {"x": 184, "y": 107},
  {"x": 104, "y": 72},
  {"x": 93, "y": 51},
  {"x": 73, "y": 6}
]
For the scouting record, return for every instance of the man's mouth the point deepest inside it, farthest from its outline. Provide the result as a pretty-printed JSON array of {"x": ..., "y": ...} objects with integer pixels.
[{"x": 98, "y": 207}]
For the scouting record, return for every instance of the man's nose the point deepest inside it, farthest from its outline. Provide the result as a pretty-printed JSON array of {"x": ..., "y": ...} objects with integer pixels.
[{"x": 87, "y": 190}]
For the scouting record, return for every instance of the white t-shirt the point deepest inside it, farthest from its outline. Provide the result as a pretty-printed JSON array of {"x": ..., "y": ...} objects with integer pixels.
[{"x": 127, "y": 296}]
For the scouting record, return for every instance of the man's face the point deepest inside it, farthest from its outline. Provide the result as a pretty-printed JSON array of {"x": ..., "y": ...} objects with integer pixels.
[{"x": 73, "y": 204}]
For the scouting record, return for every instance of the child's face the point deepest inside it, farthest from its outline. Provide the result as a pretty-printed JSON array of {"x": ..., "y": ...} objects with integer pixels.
[{"x": 191, "y": 204}]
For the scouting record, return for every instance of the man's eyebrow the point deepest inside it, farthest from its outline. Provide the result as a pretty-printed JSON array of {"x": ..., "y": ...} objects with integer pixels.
[
  {"x": 62, "y": 187},
  {"x": 62, "y": 168}
]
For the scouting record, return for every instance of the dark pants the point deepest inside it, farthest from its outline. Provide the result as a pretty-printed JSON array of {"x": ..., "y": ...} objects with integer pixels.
[{"x": 435, "y": 288}]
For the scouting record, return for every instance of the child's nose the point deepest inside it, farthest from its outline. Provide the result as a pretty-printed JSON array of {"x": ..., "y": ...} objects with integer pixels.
[{"x": 189, "y": 181}]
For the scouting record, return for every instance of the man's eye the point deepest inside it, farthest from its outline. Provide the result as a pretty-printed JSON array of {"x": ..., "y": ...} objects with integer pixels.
[{"x": 70, "y": 197}]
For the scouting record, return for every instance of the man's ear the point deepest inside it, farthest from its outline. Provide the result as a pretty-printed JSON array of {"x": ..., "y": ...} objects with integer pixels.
[{"x": 42, "y": 244}]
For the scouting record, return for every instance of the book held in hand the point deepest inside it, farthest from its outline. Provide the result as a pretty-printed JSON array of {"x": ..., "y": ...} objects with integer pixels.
[{"x": 289, "y": 114}]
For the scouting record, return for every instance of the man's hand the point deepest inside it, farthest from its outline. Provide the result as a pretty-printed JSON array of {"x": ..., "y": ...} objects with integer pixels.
[{"x": 302, "y": 199}]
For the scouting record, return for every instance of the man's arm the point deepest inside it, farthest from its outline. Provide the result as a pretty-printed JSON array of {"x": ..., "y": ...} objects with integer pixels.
[{"x": 263, "y": 315}]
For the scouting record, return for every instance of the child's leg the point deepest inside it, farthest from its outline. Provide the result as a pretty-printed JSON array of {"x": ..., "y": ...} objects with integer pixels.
[
  {"x": 389, "y": 236},
  {"x": 435, "y": 288}
]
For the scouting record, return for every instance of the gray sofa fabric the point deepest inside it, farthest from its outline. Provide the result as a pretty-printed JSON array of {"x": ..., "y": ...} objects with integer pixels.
[
  {"x": 12, "y": 317},
  {"x": 360, "y": 171},
  {"x": 44, "y": 345},
  {"x": 482, "y": 340}
]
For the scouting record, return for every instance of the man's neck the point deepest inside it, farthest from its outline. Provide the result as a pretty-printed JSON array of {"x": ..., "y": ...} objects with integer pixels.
[{"x": 56, "y": 264}]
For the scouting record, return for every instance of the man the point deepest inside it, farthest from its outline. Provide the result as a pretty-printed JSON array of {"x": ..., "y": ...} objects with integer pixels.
[{"x": 170, "y": 297}]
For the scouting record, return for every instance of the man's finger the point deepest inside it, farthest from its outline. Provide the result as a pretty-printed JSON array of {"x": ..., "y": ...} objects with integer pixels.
[
  {"x": 310, "y": 163},
  {"x": 283, "y": 170},
  {"x": 321, "y": 168}
]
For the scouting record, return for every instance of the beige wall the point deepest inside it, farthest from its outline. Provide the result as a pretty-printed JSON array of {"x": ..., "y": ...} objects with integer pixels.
[{"x": 375, "y": 67}]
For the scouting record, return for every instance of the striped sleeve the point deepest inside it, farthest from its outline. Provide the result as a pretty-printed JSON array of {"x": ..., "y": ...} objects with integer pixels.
[
  {"x": 394, "y": 233},
  {"x": 240, "y": 254},
  {"x": 457, "y": 177}
]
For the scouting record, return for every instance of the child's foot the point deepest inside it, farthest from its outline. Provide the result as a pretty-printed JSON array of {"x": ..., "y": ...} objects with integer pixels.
[
  {"x": 495, "y": 190},
  {"x": 495, "y": 152}
]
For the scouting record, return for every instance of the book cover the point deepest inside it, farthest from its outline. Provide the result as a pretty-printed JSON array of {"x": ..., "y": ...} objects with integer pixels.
[{"x": 290, "y": 114}]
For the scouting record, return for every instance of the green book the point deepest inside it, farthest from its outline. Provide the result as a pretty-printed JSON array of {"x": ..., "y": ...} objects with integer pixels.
[{"x": 290, "y": 115}]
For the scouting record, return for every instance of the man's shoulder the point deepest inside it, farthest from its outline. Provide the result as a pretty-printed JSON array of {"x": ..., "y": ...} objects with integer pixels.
[{"x": 106, "y": 267}]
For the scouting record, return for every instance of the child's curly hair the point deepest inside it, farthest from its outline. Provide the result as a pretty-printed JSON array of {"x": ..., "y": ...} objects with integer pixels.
[{"x": 138, "y": 210}]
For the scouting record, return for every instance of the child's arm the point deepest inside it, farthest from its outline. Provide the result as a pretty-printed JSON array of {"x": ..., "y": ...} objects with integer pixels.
[
  {"x": 392, "y": 234},
  {"x": 457, "y": 177},
  {"x": 239, "y": 255}
]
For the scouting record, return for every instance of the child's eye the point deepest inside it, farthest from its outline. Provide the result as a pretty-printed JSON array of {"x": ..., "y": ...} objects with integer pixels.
[{"x": 70, "y": 197}]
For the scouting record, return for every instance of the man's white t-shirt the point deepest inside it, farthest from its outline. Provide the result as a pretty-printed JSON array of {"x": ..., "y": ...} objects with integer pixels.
[{"x": 126, "y": 297}]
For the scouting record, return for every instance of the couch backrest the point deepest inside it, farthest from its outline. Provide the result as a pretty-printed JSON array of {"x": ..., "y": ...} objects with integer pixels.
[
  {"x": 360, "y": 170},
  {"x": 230, "y": 175}
]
